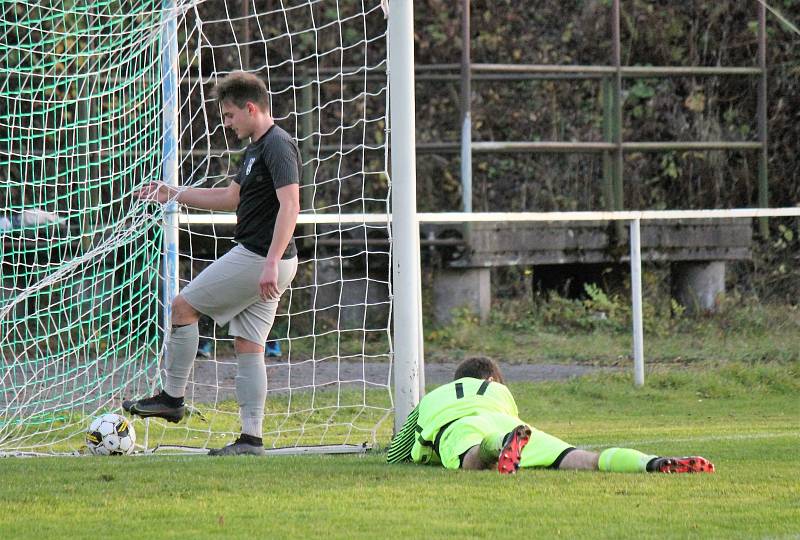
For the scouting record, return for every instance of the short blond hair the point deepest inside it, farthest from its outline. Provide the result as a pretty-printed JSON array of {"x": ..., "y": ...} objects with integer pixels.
[{"x": 240, "y": 88}]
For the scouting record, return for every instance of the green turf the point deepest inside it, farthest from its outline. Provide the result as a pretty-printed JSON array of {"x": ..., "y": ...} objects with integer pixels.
[{"x": 745, "y": 418}]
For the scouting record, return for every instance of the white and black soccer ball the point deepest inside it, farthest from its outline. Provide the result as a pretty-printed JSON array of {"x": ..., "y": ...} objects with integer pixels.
[{"x": 110, "y": 434}]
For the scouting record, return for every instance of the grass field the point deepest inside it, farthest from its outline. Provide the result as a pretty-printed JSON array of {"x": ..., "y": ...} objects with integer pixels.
[
  {"x": 744, "y": 417},
  {"x": 742, "y": 332}
]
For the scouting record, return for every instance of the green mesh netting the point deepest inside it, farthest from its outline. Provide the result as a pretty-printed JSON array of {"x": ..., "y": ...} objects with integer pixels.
[{"x": 79, "y": 130}]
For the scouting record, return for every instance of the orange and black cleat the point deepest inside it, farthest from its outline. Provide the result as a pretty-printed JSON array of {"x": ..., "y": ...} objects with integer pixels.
[
  {"x": 692, "y": 464},
  {"x": 508, "y": 462}
]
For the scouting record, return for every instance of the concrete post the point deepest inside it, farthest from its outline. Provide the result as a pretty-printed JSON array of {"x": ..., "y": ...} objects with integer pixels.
[
  {"x": 469, "y": 288},
  {"x": 697, "y": 285}
]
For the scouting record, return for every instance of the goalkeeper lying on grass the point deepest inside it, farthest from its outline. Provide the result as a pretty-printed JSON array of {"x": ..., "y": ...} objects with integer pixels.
[{"x": 473, "y": 423}]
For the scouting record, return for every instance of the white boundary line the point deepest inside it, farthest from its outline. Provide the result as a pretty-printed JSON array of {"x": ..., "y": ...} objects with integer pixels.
[
  {"x": 501, "y": 217},
  {"x": 751, "y": 436}
]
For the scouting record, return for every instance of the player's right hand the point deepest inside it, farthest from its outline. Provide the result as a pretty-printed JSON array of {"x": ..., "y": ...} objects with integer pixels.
[{"x": 155, "y": 191}]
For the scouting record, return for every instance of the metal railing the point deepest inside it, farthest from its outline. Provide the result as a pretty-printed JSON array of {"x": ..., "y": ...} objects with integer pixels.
[{"x": 614, "y": 146}]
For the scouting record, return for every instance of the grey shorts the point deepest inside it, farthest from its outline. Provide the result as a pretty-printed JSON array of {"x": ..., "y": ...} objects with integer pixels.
[{"x": 227, "y": 291}]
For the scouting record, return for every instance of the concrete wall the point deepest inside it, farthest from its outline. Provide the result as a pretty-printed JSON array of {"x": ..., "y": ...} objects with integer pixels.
[{"x": 468, "y": 288}]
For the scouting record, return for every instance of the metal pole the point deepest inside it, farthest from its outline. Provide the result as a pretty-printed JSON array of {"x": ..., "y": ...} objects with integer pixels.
[
  {"x": 405, "y": 228},
  {"x": 616, "y": 117},
  {"x": 169, "y": 171},
  {"x": 247, "y": 34},
  {"x": 763, "y": 185},
  {"x": 466, "y": 110},
  {"x": 307, "y": 190},
  {"x": 608, "y": 135},
  {"x": 307, "y": 130},
  {"x": 594, "y": 71},
  {"x": 636, "y": 294}
]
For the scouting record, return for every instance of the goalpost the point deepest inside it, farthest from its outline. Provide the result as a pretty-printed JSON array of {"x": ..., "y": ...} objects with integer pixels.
[{"x": 99, "y": 98}]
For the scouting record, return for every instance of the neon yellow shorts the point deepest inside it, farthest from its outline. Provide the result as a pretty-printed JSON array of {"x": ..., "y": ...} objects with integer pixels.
[{"x": 541, "y": 451}]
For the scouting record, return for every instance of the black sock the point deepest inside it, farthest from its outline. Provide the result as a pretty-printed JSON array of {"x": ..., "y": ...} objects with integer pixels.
[
  {"x": 651, "y": 465},
  {"x": 251, "y": 439},
  {"x": 172, "y": 401}
]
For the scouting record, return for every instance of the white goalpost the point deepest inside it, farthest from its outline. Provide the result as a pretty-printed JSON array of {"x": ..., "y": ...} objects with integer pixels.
[{"x": 405, "y": 227}]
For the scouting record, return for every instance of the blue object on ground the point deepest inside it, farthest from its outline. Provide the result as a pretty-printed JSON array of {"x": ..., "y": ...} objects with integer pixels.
[
  {"x": 273, "y": 349},
  {"x": 205, "y": 349}
]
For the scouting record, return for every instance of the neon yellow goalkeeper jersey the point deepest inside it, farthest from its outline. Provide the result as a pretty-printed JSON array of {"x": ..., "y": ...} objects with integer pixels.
[{"x": 419, "y": 438}]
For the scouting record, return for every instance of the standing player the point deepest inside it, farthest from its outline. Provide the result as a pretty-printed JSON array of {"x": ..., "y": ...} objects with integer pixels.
[
  {"x": 473, "y": 423},
  {"x": 244, "y": 286}
]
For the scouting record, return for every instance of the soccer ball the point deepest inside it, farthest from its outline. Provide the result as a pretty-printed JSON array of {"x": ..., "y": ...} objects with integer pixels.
[{"x": 110, "y": 435}]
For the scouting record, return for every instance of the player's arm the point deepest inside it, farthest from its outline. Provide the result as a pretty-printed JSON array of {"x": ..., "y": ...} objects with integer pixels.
[
  {"x": 289, "y": 199},
  {"x": 283, "y": 162},
  {"x": 403, "y": 441},
  {"x": 222, "y": 198}
]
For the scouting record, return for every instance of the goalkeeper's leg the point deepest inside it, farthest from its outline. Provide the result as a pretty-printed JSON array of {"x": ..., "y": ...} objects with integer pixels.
[
  {"x": 546, "y": 451},
  {"x": 500, "y": 450},
  {"x": 484, "y": 441},
  {"x": 629, "y": 460},
  {"x": 476, "y": 442}
]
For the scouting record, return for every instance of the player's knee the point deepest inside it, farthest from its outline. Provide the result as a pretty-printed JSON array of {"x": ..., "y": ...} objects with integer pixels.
[
  {"x": 579, "y": 460},
  {"x": 183, "y": 312},
  {"x": 242, "y": 345},
  {"x": 471, "y": 460}
]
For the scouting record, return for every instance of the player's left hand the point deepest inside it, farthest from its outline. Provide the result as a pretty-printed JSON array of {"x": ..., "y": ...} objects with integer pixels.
[
  {"x": 268, "y": 282},
  {"x": 156, "y": 191}
]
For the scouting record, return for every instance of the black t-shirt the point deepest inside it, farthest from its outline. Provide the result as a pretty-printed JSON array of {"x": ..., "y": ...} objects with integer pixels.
[{"x": 271, "y": 162}]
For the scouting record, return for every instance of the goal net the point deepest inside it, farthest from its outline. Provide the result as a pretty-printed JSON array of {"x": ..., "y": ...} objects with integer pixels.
[{"x": 84, "y": 86}]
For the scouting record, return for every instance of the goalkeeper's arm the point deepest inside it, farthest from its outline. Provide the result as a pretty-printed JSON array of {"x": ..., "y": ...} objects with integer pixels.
[{"x": 403, "y": 442}]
